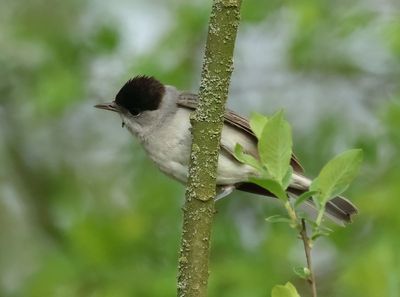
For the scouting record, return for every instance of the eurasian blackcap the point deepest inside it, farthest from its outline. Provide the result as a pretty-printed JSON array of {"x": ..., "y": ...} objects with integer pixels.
[{"x": 158, "y": 115}]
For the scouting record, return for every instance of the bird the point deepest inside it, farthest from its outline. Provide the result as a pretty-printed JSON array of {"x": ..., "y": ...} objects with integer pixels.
[{"x": 158, "y": 116}]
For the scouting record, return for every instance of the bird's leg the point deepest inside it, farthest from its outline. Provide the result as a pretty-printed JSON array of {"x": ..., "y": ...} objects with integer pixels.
[{"x": 223, "y": 191}]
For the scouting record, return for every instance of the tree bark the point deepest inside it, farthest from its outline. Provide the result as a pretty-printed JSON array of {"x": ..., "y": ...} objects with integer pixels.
[{"x": 207, "y": 122}]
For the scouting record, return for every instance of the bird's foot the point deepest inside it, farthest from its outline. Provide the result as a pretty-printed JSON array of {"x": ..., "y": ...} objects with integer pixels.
[{"x": 223, "y": 191}]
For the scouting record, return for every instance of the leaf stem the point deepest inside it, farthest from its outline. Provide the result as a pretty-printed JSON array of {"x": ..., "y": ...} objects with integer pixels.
[
  {"x": 320, "y": 216},
  {"x": 291, "y": 213}
]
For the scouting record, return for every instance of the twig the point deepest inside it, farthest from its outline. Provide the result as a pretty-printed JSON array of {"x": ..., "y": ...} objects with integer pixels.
[{"x": 307, "y": 249}]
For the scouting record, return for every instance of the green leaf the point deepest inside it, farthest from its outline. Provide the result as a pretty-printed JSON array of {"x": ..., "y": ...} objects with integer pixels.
[
  {"x": 287, "y": 290},
  {"x": 241, "y": 156},
  {"x": 257, "y": 123},
  {"x": 304, "y": 197},
  {"x": 278, "y": 219},
  {"x": 318, "y": 234},
  {"x": 275, "y": 146},
  {"x": 336, "y": 175},
  {"x": 302, "y": 272},
  {"x": 271, "y": 185},
  {"x": 311, "y": 223},
  {"x": 320, "y": 231}
]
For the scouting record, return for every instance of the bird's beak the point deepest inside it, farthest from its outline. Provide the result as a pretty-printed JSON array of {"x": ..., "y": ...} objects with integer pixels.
[{"x": 112, "y": 106}]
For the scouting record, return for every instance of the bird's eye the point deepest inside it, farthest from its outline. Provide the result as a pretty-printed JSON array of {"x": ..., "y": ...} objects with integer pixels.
[
  {"x": 135, "y": 112},
  {"x": 123, "y": 124}
]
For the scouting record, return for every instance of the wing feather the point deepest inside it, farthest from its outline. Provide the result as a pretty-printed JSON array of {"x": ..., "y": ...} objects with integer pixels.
[{"x": 189, "y": 100}]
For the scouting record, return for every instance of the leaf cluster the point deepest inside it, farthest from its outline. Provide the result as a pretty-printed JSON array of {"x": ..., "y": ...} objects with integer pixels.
[{"x": 275, "y": 174}]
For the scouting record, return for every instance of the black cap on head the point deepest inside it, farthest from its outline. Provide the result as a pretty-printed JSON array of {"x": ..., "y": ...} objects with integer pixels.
[{"x": 141, "y": 93}]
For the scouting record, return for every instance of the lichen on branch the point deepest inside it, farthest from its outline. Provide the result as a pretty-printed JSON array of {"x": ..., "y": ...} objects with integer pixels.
[{"x": 207, "y": 123}]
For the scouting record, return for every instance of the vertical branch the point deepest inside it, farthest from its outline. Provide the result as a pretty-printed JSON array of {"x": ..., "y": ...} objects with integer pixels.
[
  {"x": 307, "y": 250},
  {"x": 207, "y": 123}
]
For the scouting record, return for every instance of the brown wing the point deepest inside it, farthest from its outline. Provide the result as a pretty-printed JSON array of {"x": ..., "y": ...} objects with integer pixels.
[{"x": 189, "y": 100}]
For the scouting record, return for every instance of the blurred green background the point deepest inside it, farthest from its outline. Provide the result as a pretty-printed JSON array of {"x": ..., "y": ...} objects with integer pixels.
[{"x": 84, "y": 213}]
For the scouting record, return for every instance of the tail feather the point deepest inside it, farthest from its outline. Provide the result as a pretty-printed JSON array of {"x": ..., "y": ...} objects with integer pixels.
[
  {"x": 339, "y": 209},
  {"x": 344, "y": 204}
]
